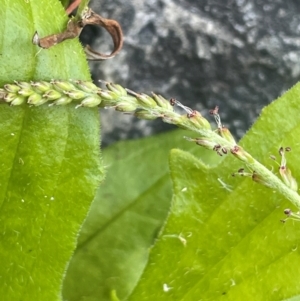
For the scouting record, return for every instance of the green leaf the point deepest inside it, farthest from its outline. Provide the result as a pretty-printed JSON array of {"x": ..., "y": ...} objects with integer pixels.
[
  {"x": 50, "y": 162},
  {"x": 125, "y": 218},
  {"x": 223, "y": 239}
]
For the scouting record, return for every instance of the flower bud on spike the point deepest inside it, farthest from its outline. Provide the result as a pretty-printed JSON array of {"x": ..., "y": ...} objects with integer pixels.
[
  {"x": 41, "y": 86},
  {"x": 25, "y": 92},
  {"x": 91, "y": 101},
  {"x": 63, "y": 85},
  {"x": 88, "y": 87},
  {"x": 172, "y": 118},
  {"x": 143, "y": 114},
  {"x": 23, "y": 85},
  {"x": 108, "y": 95},
  {"x": 162, "y": 102},
  {"x": 125, "y": 107},
  {"x": 34, "y": 99},
  {"x": 52, "y": 95},
  {"x": 11, "y": 88},
  {"x": 75, "y": 94},
  {"x": 18, "y": 101},
  {"x": 198, "y": 120},
  {"x": 128, "y": 98},
  {"x": 146, "y": 101},
  {"x": 239, "y": 152},
  {"x": 61, "y": 101},
  {"x": 41, "y": 102},
  {"x": 117, "y": 89},
  {"x": 8, "y": 97}
]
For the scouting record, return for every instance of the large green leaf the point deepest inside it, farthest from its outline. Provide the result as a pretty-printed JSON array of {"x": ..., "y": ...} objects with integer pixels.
[
  {"x": 223, "y": 239},
  {"x": 50, "y": 162},
  {"x": 125, "y": 218}
]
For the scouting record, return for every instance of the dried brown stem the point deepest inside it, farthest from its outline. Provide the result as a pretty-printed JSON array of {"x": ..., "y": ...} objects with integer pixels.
[{"x": 74, "y": 29}]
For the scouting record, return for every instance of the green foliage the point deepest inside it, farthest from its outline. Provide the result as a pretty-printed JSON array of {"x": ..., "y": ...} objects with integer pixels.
[
  {"x": 50, "y": 162},
  {"x": 223, "y": 239},
  {"x": 128, "y": 211}
]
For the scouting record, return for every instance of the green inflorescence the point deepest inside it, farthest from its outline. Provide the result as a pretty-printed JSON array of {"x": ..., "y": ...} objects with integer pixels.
[
  {"x": 86, "y": 94},
  {"x": 55, "y": 92}
]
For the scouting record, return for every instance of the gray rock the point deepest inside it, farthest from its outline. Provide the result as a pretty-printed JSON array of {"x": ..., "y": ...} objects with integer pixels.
[{"x": 237, "y": 54}]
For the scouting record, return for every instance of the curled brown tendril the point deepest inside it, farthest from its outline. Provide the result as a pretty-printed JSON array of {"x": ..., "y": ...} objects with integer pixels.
[{"x": 74, "y": 28}]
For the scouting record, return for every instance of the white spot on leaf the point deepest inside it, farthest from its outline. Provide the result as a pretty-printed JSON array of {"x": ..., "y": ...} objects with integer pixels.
[{"x": 166, "y": 288}]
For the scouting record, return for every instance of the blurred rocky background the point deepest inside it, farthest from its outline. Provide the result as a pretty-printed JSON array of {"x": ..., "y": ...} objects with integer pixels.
[{"x": 238, "y": 54}]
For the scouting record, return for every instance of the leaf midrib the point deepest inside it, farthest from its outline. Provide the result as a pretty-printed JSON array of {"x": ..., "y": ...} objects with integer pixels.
[{"x": 116, "y": 216}]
